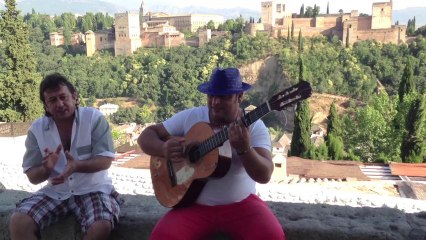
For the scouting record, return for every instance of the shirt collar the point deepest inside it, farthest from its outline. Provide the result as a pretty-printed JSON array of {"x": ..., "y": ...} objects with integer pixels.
[{"x": 49, "y": 120}]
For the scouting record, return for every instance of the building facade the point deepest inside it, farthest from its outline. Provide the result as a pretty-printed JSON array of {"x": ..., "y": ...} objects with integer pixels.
[
  {"x": 58, "y": 39},
  {"x": 127, "y": 33},
  {"x": 277, "y": 20}
]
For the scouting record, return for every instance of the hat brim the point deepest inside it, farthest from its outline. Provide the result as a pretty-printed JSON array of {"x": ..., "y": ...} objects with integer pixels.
[{"x": 206, "y": 88}]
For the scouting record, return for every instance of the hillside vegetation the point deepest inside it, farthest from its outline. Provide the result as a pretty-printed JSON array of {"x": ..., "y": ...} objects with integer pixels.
[{"x": 380, "y": 123}]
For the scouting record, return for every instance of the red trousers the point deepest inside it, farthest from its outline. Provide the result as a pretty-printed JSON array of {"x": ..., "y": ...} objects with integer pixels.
[{"x": 250, "y": 219}]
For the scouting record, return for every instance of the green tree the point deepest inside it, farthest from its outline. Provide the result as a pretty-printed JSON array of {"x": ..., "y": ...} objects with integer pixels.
[
  {"x": 334, "y": 140},
  {"x": 347, "y": 38},
  {"x": 316, "y": 10},
  {"x": 412, "y": 147},
  {"x": 301, "y": 140},
  {"x": 309, "y": 12},
  {"x": 210, "y": 25},
  {"x": 407, "y": 85},
  {"x": 334, "y": 124},
  {"x": 300, "y": 41},
  {"x": 369, "y": 133},
  {"x": 19, "y": 80},
  {"x": 335, "y": 147},
  {"x": 288, "y": 37}
]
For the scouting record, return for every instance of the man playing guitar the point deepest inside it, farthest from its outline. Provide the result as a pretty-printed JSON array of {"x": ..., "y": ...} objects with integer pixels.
[{"x": 227, "y": 204}]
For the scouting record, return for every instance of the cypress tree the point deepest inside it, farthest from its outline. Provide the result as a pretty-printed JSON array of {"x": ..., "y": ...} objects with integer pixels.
[
  {"x": 302, "y": 10},
  {"x": 334, "y": 124},
  {"x": 347, "y": 38},
  {"x": 292, "y": 30},
  {"x": 334, "y": 140},
  {"x": 300, "y": 41},
  {"x": 414, "y": 24},
  {"x": 288, "y": 36},
  {"x": 412, "y": 147},
  {"x": 19, "y": 83},
  {"x": 301, "y": 140},
  {"x": 335, "y": 147},
  {"x": 407, "y": 85},
  {"x": 328, "y": 7}
]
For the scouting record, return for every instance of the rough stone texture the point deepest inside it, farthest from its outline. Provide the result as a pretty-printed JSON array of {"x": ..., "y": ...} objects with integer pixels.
[{"x": 300, "y": 221}]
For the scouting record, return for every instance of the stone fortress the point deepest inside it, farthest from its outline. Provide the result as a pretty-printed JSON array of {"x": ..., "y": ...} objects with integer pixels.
[
  {"x": 133, "y": 30},
  {"x": 277, "y": 20}
]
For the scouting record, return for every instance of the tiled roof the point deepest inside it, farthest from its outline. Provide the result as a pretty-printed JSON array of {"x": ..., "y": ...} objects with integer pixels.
[{"x": 408, "y": 169}]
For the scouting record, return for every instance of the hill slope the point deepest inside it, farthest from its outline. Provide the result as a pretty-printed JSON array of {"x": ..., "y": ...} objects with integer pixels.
[{"x": 405, "y": 14}]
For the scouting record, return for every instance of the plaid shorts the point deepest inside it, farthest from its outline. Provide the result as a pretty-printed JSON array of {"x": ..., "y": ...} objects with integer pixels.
[{"x": 87, "y": 208}]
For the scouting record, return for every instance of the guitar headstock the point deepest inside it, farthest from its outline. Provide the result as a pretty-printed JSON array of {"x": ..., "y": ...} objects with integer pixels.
[{"x": 291, "y": 95}]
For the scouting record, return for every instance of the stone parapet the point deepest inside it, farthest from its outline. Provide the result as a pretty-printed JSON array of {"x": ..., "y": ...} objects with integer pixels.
[{"x": 300, "y": 221}]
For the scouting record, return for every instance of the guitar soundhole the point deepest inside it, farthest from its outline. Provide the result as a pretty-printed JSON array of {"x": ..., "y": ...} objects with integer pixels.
[{"x": 193, "y": 154}]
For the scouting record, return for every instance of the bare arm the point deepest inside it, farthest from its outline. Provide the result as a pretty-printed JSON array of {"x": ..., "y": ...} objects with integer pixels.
[
  {"x": 41, "y": 173},
  {"x": 95, "y": 164},
  {"x": 152, "y": 139},
  {"x": 257, "y": 161},
  {"x": 156, "y": 141},
  {"x": 37, "y": 174},
  {"x": 258, "y": 164}
]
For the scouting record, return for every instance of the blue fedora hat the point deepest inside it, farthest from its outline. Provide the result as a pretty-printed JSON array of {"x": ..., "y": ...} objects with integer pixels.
[{"x": 224, "y": 82}]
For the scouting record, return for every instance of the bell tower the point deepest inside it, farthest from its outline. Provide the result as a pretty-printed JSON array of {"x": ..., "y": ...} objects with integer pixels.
[{"x": 141, "y": 9}]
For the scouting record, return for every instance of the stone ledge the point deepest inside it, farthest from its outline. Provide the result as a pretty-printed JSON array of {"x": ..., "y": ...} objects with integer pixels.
[{"x": 300, "y": 221}]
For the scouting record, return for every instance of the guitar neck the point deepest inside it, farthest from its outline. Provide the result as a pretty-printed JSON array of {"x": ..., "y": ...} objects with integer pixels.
[
  {"x": 220, "y": 137},
  {"x": 279, "y": 101}
]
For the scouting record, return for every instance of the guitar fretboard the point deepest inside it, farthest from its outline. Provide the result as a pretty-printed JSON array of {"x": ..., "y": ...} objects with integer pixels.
[{"x": 220, "y": 137}]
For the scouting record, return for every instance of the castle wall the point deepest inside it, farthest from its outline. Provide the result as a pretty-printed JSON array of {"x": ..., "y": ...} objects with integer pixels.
[
  {"x": 104, "y": 40},
  {"x": 252, "y": 28},
  {"x": 328, "y": 22},
  {"x": 301, "y": 23},
  {"x": 382, "y": 15},
  {"x": 90, "y": 43},
  {"x": 204, "y": 36},
  {"x": 154, "y": 39},
  {"x": 56, "y": 39},
  {"x": 376, "y": 27},
  {"x": 127, "y": 33},
  {"x": 393, "y": 35},
  {"x": 192, "y": 22},
  {"x": 364, "y": 23}
]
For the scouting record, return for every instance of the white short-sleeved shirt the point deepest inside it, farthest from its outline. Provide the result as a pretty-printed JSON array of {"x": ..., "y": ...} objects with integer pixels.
[
  {"x": 91, "y": 136},
  {"x": 236, "y": 185}
]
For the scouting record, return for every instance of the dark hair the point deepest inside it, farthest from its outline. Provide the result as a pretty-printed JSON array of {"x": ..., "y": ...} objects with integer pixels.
[{"x": 53, "y": 81}]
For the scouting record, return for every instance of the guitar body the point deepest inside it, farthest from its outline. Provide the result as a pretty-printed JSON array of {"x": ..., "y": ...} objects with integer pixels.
[{"x": 179, "y": 182}]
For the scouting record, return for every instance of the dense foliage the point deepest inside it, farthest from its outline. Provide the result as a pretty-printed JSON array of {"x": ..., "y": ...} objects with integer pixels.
[{"x": 384, "y": 80}]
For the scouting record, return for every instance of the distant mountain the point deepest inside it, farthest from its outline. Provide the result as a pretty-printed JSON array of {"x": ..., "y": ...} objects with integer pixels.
[
  {"x": 57, "y": 7},
  {"x": 228, "y": 13},
  {"x": 405, "y": 14}
]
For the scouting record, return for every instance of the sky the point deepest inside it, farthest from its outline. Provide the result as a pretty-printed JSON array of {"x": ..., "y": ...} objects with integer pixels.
[{"x": 364, "y": 6}]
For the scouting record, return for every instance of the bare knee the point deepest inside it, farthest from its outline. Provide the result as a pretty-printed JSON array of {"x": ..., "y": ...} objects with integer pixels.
[
  {"x": 99, "y": 230},
  {"x": 20, "y": 221}
]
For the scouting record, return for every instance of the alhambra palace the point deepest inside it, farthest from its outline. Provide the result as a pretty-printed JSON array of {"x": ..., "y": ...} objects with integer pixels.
[{"x": 133, "y": 30}]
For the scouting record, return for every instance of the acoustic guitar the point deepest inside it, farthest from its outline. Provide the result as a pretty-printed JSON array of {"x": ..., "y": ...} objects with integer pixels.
[{"x": 178, "y": 183}]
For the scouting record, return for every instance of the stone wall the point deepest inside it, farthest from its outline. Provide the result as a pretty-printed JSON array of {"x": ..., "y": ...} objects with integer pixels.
[{"x": 300, "y": 221}]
